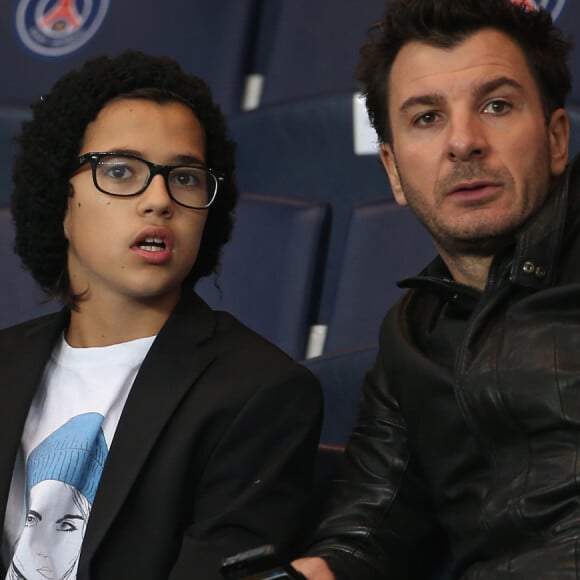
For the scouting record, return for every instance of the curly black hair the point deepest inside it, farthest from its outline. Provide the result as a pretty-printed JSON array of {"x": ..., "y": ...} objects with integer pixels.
[
  {"x": 50, "y": 142},
  {"x": 447, "y": 23}
]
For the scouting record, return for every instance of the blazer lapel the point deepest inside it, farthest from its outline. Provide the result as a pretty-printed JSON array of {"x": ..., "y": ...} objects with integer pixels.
[{"x": 169, "y": 371}]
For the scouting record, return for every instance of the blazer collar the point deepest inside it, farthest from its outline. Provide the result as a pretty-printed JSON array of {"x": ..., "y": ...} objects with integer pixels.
[{"x": 168, "y": 372}]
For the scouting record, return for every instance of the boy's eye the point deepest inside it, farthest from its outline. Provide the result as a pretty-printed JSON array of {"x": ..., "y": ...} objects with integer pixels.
[{"x": 117, "y": 171}]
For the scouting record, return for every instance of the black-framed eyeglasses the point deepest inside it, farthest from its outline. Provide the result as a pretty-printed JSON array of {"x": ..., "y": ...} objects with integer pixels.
[{"x": 125, "y": 175}]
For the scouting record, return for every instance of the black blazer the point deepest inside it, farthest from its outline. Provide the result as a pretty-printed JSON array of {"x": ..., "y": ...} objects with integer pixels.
[{"x": 213, "y": 452}]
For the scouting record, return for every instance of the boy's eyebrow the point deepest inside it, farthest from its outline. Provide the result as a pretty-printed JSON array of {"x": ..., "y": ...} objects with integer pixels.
[
  {"x": 189, "y": 159},
  {"x": 177, "y": 160}
]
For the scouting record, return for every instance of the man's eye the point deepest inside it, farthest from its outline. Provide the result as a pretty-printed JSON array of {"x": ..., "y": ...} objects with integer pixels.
[
  {"x": 425, "y": 119},
  {"x": 497, "y": 107}
]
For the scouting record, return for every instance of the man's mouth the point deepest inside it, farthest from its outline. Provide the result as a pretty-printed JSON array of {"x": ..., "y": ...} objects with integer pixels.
[{"x": 472, "y": 186}]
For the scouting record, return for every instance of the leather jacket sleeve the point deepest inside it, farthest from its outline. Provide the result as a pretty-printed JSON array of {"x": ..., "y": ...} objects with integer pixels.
[{"x": 380, "y": 516}]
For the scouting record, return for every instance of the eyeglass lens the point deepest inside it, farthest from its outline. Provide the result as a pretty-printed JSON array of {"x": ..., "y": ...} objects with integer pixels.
[{"x": 121, "y": 175}]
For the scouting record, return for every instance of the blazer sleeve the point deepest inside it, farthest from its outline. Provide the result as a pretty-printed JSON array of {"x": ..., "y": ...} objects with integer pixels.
[
  {"x": 255, "y": 488},
  {"x": 379, "y": 518}
]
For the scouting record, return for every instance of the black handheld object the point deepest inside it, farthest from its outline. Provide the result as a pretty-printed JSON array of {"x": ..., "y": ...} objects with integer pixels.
[{"x": 258, "y": 564}]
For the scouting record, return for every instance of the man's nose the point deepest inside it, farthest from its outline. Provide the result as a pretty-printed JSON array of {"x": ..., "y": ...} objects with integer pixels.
[{"x": 467, "y": 138}]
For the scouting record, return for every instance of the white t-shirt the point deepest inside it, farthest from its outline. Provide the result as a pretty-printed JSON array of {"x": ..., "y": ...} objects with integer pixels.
[{"x": 65, "y": 442}]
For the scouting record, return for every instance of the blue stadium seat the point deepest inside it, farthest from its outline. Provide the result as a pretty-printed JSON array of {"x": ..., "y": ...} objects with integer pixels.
[
  {"x": 567, "y": 16},
  {"x": 341, "y": 376},
  {"x": 210, "y": 39},
  {"x": 270, "y": 271},
  {"x": 312, "y": 46},
  {"x": 305, "y": 148},
  {"x": 21, "y": 297},
  {"x": 10, "y": 122},
  {"x": 385, "y": 243},
  {"x": 574, "y": 115}
]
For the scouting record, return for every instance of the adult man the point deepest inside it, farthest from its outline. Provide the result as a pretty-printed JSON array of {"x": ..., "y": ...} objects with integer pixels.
[{"x": 469, "y": 428}]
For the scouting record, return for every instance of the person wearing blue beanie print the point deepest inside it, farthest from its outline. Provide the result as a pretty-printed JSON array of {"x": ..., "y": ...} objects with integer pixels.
[{"x": 62, "y": 476}]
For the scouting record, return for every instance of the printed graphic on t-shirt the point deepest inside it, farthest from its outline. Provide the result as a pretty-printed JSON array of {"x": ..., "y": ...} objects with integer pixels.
[{"x": 62, "y": 476}]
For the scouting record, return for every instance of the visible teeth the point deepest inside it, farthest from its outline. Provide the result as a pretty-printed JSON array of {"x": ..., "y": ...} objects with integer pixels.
[{"x": 152, "y": 244}]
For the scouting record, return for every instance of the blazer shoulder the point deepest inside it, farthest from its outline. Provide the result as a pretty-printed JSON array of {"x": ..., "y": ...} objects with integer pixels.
[
  {"x": 243, "y": 348},
  {"x": 230, "y": 330},
  {"x": 22, "y": 332}
]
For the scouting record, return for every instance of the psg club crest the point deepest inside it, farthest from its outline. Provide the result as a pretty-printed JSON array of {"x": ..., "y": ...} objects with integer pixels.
[{"x": 58, "y": 27}]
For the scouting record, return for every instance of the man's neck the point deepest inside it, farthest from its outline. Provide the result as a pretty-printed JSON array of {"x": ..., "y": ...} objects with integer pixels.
[{"x": 469, "y": 270}]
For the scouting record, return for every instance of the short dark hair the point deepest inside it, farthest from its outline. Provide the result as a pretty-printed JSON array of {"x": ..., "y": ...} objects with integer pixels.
[
  {"x": 50, "y": 142},
  {"x": 447, "y": 23}
]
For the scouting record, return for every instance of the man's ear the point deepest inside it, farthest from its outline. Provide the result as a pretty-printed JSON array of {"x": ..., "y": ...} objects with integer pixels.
[
  {"x": 559, "y": 135},
  {"x": 390, "y": 165}
]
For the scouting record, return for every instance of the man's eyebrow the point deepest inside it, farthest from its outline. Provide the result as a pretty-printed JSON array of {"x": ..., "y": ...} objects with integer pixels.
[
  {"x": 437, "y": 99},
  {"x": 494, "y": 84},
  {"x": 428, "y": 100}
]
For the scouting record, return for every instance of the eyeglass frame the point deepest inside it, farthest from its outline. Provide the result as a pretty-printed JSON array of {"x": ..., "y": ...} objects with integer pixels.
[{"x": 94, "y": 157}]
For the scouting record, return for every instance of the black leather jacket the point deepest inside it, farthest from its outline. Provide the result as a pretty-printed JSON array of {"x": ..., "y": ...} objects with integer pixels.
[{"x": 468, "y": 437}]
